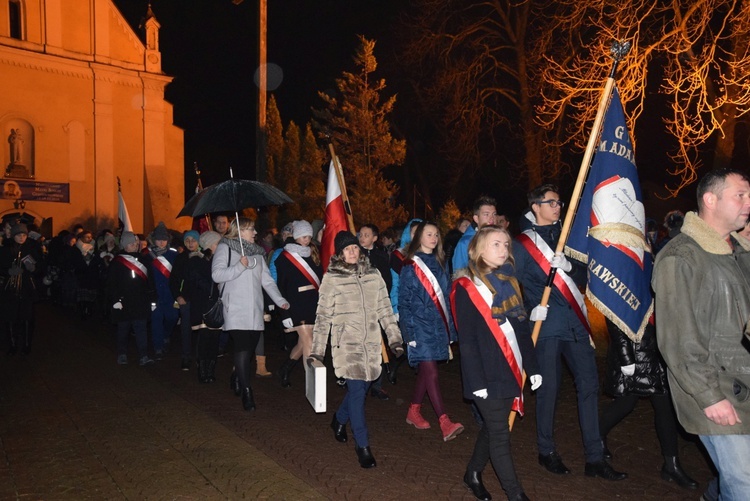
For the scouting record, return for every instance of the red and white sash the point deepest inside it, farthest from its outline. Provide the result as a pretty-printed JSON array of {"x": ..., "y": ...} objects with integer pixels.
[
  {"x": 303, "y": 267},
  {"x": 432, "y": 286},
  {"x": 135, "y": 266},
  {"x": 503, "y": 333},
  {"x": 399, "y": 255},
  {"x": 543, "y": 254},
  {"x": 163, "y": 266}
]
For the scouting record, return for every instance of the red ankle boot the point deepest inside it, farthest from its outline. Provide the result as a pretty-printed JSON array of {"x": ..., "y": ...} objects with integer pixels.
[
  {"x": 414, "y": 417},
  {"x": 450, "y": 430}
]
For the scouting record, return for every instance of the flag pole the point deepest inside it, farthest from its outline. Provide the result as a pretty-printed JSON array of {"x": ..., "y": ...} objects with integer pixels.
[
  {"x": 344, "y": 196},
  {"x": 200, "y": 188},
  {"x": 618, "y": 50}
]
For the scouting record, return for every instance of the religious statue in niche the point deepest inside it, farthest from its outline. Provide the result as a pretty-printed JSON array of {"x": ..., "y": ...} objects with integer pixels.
[{"x": 18, "y": 163}]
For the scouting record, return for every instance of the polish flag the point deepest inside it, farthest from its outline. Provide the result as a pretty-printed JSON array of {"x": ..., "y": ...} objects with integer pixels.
[
  {"x": 335, "y": 218},
  {"x": 122, "y": 214}
]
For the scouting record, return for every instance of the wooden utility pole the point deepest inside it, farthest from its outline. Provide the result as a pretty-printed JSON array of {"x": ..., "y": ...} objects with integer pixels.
[{"x": 260, "y": 126}]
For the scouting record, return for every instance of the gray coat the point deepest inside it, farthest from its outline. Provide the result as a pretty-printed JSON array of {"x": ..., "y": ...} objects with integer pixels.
[
  {"x": 242, "y": 289},
  {"x": 353, "y": 304},
  {"x": 702, "y": 311}
]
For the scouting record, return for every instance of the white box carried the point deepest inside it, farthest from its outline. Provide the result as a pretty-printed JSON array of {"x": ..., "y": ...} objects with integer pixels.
[{"x": 315, "y": 385}]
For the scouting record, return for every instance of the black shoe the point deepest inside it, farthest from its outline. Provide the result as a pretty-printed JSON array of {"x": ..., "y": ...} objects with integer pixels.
[
  {"x": 366, "y": 460},
  {"x": 234, "y": 383},
  {"x": 602, "y": 469},
  {"x": 520, "y": 497},
  {"x": 672, "y": 471},
  {"x": 605, "y": 450},
  {"x": 202, "y": 369},
  {"x": 185, "y": 365},
  {"x": 473, "y": 480},
  {"x": 211, "y": 372},
  {"x": 380, "y": 394},
  {"x": 248, "y": 403},
  {"x": 553, "y": 463},
  {"x": 339, "y": 430},
  {"x": 285, "y": 370}
]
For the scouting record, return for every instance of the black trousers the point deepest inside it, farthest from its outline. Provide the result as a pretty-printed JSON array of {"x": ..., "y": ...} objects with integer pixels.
[
  {"x": 665, "y": 420},
  {"x": 493, "y": 443}
]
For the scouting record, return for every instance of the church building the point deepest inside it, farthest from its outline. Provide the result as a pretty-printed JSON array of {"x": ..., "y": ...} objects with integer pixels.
[{"x": 82, "y": 110}]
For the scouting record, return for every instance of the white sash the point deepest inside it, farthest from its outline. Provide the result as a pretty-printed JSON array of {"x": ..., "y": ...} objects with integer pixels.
[
  {"x": 134, "y": 262},
  {"x": 435, "y": 285},
  {"x": 165, "y": 262},
  {"x": 548, "y": 253},
  {"x": 506, "y": 327},
  {"x": 306, "y": 266}
]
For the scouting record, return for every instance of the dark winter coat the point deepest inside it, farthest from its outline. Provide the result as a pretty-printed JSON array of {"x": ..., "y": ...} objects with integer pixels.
[
  {"x": 197, "y": 285},
  {"x": 650, "y": 377},
  {"x": 177, "y": 277},
  {"x": 381, "y": 261},
  {"x": 420, "y": 320},
  {"x": 135, "y": 294},
  {"x": 161, "y": 283},
  {"x": 562, "y": 322},
  {"x": 483, "y": 365},
  {"x": 353, "y": 305},
  {"x": 302, "y": 303},
  {"x": 17, "y": 294}
]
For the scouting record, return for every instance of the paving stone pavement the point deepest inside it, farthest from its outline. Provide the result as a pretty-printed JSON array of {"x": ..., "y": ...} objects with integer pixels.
[{"x": 75, "y": 425}]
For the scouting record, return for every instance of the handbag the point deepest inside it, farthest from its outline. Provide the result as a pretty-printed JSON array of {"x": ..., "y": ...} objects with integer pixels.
[{"x": 214, "y": 317}]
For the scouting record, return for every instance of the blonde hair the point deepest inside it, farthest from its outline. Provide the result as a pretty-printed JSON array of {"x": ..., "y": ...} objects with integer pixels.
[
  {"x": 245, "y": 224},
  {"x": 477, "y": 264}
]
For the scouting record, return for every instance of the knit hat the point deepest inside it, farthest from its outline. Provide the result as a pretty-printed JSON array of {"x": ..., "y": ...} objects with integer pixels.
[
  {"x": 191, "y": 234},
  {"x": 127, "y": 238},
  {"x": 302, "y": 229},
  {"x": 208, "y": 238},
  {"x": 160, "y": 232},
  {"x": 343, "y": 240},
  {"x": 17, "y": 229},
  {"x": 288, "y": 228}
]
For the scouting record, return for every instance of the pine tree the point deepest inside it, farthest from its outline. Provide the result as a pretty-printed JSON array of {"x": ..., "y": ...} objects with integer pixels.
[
  {"x": 274, "y": 154},
  {"x": 448, "y": 215},
  {"x": 356, "y": 121}
]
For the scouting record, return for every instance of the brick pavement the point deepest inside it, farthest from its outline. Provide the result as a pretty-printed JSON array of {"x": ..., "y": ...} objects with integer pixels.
[{"x": 74, "y": 425}]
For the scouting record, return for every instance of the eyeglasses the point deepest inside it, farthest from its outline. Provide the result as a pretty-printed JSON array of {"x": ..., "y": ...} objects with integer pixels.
[{"x": 553, "y": 203}]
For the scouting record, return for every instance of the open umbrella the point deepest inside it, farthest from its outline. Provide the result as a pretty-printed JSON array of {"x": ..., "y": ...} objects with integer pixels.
[{"x": 233, "y": 195}]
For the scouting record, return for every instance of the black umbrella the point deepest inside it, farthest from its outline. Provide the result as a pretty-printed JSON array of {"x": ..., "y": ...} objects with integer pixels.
[{"x": 233, "y": 195}]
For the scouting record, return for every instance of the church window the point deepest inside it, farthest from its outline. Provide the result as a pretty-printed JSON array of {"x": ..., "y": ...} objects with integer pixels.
[{"x": 16, "y": 19}]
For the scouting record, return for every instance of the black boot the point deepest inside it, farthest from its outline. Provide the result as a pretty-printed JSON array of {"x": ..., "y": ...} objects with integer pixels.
[
  {"x": 473, "y": 480},
  {"x": 605, "y": 450},
  {"x": 248, "y": 403},
  {"x": 202, "y": 371},
  {"x": 365, "y": 457},
  {"x": 28, "y": 334},
  {"x": 672, "y": 471},
  {"x": 339, "y": 430},
  {"x": 234, "y": 383},
  {"x": 211, "y": 371},
  {"x": 285, "y": 370}
]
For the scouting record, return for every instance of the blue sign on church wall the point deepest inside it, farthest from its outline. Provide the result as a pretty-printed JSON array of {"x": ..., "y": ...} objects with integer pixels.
[{"x": 14, "y": 189}]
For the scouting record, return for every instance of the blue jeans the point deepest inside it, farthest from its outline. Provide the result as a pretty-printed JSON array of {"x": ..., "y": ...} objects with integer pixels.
[
  {"x": 352, "y": 409},
  {"x": 581, "y": 360},
  {"x": 730, "y": 454},
  {"x": 163, "y": 320},
  {"x": 123, "y": 331}
]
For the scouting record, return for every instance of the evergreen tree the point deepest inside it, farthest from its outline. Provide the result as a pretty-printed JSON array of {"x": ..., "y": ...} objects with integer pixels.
[
  {"x": 448, "y": 215},
  {"x": 274, "y": 154},
  {"x": 312, "y": 186},
  {"x": 356, "y": 120}
]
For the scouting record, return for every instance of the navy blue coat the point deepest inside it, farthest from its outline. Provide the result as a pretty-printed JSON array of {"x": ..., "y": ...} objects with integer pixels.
[
  {"x": 419, "y": 317},
  {"x": 562, "y": 322},
  {"x": 483, "y": 365}
]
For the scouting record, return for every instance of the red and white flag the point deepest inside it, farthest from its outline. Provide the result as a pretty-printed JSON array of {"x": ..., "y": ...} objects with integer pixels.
[
  {"x": 335, "y": 218},
  {"x": 122, "y": 213}
]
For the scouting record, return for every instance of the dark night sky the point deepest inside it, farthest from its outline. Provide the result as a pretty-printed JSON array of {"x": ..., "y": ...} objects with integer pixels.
[{"x": 210, "y": 48}]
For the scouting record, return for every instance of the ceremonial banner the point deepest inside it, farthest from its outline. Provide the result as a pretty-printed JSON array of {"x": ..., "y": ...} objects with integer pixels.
[
  {"x": 335, "y": 217},
  {"x": 122, "y": 213},
  {"x": 608, "y": 233}
]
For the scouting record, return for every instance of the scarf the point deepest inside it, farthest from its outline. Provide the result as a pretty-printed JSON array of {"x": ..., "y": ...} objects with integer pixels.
[
  {"x": 251, "y": 249},
  {"x": 156, "y": 251},
  {"x": 507, "y": 301},
  {"x": 302, "y": 250}
]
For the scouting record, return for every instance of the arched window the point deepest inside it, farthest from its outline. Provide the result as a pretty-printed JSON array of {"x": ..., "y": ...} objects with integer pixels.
[{"x": 16, "y": 19}]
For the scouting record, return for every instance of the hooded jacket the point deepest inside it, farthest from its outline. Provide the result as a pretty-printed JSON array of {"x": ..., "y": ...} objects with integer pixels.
[
  {"x": 702, "y": 291},
  {"x": 352, "y": 307}
]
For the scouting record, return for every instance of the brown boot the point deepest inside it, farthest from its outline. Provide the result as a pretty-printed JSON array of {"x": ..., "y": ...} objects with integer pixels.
[{"x": 260, "y": 370}]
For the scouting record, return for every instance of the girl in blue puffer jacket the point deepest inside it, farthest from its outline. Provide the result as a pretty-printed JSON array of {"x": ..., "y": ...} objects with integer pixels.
[{"x": 426, "y": 322}]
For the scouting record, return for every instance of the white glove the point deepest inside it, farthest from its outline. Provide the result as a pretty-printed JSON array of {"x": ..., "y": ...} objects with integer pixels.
[
  {"x": 539, "y": 313},
  {"x": 560, "y": 261},
  {"x": 287, "y": 323},
  {"x": 413, "y": 344},
  {"x": 481, "y": 393},
  {"x": 628, "y": 370},
  {"x": 153, "y": 306},
  {"x": 396, "y": 314},
  {"x": 117, "y": 305},
  {"x": 536, "y": 381}
]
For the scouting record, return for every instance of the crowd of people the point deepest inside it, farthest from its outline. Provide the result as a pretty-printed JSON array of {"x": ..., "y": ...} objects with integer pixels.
[{"x": 474, "y": 295}]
